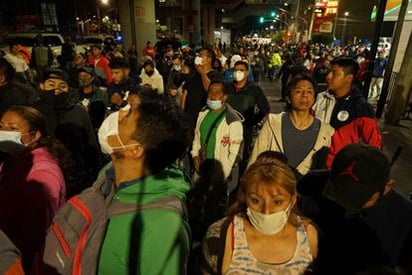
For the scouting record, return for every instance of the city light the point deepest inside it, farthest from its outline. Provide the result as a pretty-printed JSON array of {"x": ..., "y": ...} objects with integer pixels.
[
  {"x": 273, "y": 14},
  {"x": 261, "y": 19}
]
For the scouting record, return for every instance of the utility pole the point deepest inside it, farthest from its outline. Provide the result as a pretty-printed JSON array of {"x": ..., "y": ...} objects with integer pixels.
[
  {"x": 402, "y": 89},
  {"x": 374, "y": 47},
  {"x": 391, "y": 60},
  {"x": 296, "y": 18}
]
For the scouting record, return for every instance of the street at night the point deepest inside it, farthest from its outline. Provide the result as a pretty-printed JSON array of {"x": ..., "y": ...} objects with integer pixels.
[{"x": 205, "y": 137}]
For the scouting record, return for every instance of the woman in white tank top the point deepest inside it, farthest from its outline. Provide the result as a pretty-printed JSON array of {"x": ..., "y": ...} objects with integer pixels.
[{"x": 263, "y": 233}]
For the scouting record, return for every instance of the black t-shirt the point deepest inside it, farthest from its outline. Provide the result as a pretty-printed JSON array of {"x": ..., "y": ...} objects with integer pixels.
[{"x": 196, "y": 94}]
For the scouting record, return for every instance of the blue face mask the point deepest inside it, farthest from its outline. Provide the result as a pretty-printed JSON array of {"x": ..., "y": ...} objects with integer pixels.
[{"x": 214, "y": 104}]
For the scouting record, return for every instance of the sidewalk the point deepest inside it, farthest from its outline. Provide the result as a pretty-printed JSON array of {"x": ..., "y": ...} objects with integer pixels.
[{"x": 393, "y": 137}]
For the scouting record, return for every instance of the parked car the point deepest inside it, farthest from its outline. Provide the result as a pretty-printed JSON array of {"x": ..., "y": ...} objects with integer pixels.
[
  {"x": 28, "y": 40},
  {"x": 90, "y": 40}
]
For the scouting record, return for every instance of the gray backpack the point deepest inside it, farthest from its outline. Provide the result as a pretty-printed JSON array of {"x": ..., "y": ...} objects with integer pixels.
[{"x": 74, "y": 239}]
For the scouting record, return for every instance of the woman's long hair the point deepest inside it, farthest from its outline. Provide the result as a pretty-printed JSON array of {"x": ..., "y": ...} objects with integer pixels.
[{"x": 37, "y": 122}]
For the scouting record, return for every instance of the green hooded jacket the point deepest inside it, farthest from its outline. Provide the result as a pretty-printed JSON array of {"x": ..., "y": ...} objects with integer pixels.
[{"x": 155, "y": 241}]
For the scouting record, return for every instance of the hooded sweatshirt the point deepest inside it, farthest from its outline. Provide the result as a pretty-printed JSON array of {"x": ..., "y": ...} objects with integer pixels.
[{"x": 152, "y": 241}]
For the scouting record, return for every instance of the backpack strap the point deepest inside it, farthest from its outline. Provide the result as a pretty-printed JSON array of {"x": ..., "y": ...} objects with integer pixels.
[
  {"x": 222, "y": 244},
  {"x": 209, "y": 133},
  {"x": 117, "y": 207}
]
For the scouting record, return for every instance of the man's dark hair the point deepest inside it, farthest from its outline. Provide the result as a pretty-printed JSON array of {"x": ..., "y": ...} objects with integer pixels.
[
  {"x": 349, "y": 65},
  {"x": 210, "y": 53},
  {"x": 119, "y": 63},
  {"x": 222, "y": 83},
  {"x": 244, "y": 63},
  {"x": 162, "y": 129},
  {"x": 6, "y": 69},
  {"x": 294, "y": 81},
  {"x": 299, "y": 77},
  {"x": 13, "y": 43},
  {"x": 97, "y": 46}
]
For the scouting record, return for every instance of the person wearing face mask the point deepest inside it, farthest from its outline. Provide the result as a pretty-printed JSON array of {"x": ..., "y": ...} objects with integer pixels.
[
  {"x": 151, "y": 78},
  {"x": 197, "y": 83},
  {"x": 228, "y": 74},
  {"x": 248, "y": 98},
  {"x": 217, "y": 148},
  {"x": 263, "y": 234},
  {"x": 71, "y": 124},
  {"x": 32, "y": 180},
  {"x": 175, "y": 81},
  {"x": 143, "y": 145},
  {"x": 92, "y": 98},
  {"x": 164, "y": 64}
]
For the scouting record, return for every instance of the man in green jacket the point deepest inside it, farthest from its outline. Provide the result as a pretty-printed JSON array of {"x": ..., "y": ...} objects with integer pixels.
[{"x": 143, "y": 142}]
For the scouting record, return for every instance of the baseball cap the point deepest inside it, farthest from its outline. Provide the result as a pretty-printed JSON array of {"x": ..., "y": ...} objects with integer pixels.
[
  {"x": 86, "y": 69},
  {"x": 358, "y": 171},
  {"x": 235, "y": 58},
  {"x": 56, "y": 74}
]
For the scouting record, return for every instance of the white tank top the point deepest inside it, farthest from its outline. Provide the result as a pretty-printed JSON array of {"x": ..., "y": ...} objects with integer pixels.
[{"x": 243, "y": 262}]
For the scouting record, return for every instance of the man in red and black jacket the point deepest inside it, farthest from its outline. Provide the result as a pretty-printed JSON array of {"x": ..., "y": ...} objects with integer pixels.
[{"x": 352, "y": 117}]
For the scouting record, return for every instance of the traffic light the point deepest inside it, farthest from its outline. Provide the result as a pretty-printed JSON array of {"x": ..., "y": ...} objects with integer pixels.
[
  {"x": 273, "y": 14},
  {"x": 261, "y": 19}
]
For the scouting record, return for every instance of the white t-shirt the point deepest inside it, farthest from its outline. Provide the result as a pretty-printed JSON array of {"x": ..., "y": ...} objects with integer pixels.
[{"x": 17, "y": 63}]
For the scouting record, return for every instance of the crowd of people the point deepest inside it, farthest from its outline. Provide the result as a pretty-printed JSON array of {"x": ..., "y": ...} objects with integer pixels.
[{"x": 212, "y": 182}]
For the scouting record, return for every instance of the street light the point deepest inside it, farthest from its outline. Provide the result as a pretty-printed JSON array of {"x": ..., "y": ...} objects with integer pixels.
[
  {"x": 345, "y": 21},
  {"x": 282, "y": 21}
]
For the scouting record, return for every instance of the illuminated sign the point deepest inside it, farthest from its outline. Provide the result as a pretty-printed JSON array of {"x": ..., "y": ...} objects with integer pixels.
[
  {"x": 391, "y": 6},
  {"x": 332, "y": 4},
  {"x": 321, "y": 5}
]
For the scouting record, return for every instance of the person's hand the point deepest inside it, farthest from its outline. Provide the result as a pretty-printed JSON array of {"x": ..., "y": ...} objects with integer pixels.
[
  {"x": 196, "y": 163},
  {"x": 172, "y": 92},
  {"x": 147, "y": 86},
  {"x": 201, "y": 69}
]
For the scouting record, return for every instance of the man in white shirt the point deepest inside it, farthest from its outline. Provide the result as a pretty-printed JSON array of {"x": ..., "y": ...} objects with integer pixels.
[
  {"x": 151, "y": 77},
  {"x": 18, "y": 63}
]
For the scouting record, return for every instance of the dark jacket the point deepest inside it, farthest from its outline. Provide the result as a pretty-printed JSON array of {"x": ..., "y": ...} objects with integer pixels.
[{"x": 15, "y": 94}]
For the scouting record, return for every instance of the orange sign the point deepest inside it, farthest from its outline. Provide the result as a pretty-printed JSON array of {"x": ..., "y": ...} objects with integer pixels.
[{"x": 392, "y": 4}]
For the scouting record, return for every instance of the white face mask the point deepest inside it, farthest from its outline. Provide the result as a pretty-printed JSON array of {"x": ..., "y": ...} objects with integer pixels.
[
  {"x": 198, "y": 60},
  {"x": 268, "y": 224},
  {"x": 238, "y": 76},
  {"x": 13, "y": 136},
  {"x": 214, "y": 104},
  {"x": 10, "y": 141},
  {"x": 110, "y": 127}
]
